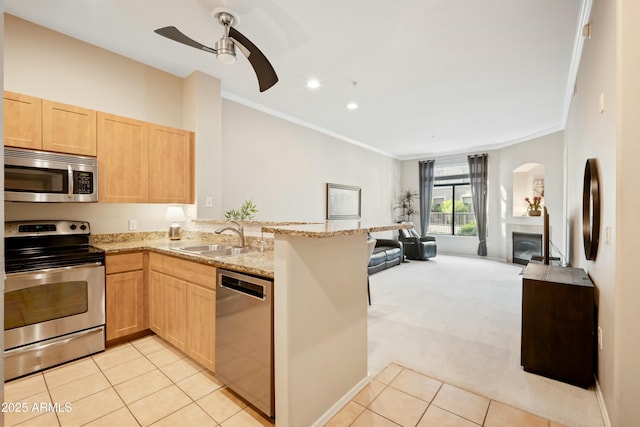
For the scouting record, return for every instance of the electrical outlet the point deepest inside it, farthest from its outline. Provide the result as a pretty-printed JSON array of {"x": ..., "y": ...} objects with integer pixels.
[
  {"x": 607, "y": 235},
  {"x": 133, "y": 225},
  {"x": 599, "y": 337},
  {"x": 208, "y": 202}
]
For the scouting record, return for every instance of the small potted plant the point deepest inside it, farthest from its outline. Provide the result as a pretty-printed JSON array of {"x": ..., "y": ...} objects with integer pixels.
[
  {"x": 535, "y": 207},
  {"x": 246, "y": 212},
  {"x": 406, "y": 205}
]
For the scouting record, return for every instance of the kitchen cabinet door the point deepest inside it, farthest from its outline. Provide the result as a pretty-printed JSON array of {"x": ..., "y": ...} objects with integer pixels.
[
  {"x": 157, "y": 313},
  {"x": 170, "y": 165},
  {"x": 123, "y": 158},
  {"x": 201, "y": 325},
  {"x": 125, "y": 294},
  {"x": 175, "y": 311},
  {"x": 124, "y": 304},
  {"x": 22, "y": 121},
  {"x": 68, "y": 129}
]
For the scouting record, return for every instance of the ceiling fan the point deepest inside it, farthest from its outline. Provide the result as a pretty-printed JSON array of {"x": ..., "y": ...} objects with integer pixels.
[{"x": 225, "y": 47}]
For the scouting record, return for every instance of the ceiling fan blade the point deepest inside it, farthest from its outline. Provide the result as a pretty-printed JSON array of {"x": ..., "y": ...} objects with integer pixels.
[
  {"x": 174, "y": 34},
  {"x": 267, "y": 76}
]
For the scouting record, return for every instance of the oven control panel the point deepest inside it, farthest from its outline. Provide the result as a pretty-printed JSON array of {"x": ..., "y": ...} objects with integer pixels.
[{"x": 45, "y": 228}]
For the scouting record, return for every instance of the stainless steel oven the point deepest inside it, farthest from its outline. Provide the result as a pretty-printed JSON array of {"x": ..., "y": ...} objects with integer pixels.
[
  {"x": 54, "y": 309},
  {"x": 39, "y": 176}
]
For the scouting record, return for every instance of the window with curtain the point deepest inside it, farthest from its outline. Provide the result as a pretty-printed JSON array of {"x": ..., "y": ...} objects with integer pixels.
[{"x": 451, "y": 203}]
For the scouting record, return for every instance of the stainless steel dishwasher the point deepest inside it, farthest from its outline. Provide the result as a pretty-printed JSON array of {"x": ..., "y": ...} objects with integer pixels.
[{"x": 244, "y": 337}]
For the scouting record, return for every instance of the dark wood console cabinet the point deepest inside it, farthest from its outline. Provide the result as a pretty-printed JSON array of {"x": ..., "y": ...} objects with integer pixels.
[{"x": 558, "y": 323}]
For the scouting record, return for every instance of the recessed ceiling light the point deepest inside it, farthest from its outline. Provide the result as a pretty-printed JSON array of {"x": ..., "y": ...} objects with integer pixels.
[
  {"x": 352, "y": 106},
  {"x": 313, "y": 84}
]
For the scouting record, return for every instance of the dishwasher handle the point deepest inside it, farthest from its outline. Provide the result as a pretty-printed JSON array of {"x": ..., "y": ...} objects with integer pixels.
[{"x": 254, "y": 290}]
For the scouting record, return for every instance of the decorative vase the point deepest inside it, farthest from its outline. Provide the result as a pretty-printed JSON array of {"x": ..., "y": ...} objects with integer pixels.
[{"x": 534, "y": 213}]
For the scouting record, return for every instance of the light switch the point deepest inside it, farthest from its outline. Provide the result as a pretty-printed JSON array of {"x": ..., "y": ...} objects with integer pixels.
[
  {"x": 601, "y": 102},
  {"x": 208, "y": 202},
  {"x": 607, "y": 235}
]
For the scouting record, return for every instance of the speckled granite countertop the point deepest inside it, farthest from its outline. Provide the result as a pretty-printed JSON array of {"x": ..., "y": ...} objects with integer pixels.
[
  {"x": 332, "y": 229},
  {"x": 258, "y": 263}
]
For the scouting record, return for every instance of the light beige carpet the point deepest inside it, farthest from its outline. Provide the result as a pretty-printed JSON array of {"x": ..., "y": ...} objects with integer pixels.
[{"x": 458, "y": 319}]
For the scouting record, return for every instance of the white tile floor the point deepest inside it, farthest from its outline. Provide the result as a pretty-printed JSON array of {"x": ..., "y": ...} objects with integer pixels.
[
  {"x": 147, "y": 382},
  {"x": 140, "y": 383},
  {"x": 402, "y": 397}
]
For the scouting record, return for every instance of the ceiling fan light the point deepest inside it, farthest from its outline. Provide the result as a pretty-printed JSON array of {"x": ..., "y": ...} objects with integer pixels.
[
  {"x": 226, "y": 52},
  {"x": 226, "y": 58}
]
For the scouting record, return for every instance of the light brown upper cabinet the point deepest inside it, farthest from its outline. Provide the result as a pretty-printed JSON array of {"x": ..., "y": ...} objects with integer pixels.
[
  {"x": 68, "y": 129},
  {"x": 123, "y": 158},
  {"x": 22, "y": 121},
  {"x": 39, "y": 124},
  {"x": 170, "y": 165},
  {"x": 140, "y": 162}
]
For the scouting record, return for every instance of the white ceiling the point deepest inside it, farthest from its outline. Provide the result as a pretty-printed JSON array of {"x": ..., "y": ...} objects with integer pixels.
[{"x": 433, "y": 76}]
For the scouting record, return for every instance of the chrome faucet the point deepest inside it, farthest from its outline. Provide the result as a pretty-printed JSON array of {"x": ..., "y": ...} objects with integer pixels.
[{"x": 238, "y": 231}]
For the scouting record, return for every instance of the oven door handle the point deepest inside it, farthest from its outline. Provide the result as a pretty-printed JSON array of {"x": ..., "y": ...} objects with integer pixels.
[
  {"x": 27, "y": 279},
  {"x": 70, "y": 186}
]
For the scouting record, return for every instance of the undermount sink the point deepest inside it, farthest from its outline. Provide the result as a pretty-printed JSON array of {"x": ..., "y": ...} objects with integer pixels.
[{"x": 216, "y": 250}]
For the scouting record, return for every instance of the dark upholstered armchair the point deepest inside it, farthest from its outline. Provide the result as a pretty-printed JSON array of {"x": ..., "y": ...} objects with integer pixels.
[{"x": 416, "y": 247}]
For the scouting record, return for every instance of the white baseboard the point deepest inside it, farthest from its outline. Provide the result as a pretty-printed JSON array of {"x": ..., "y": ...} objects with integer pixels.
[
  {"x": 603, "y": 406},
  {"x": 341, "y": 403}
]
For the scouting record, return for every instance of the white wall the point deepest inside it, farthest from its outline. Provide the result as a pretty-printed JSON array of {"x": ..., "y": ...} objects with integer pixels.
[
  {"x": 50, "y": 65},
  {"x": 610, "y": 66},
  {"x": 591, "y": 134},
  {"x": 547, "y": 151},
  {"x": 284, "y": 168},
  {"x": 627, "y": 231},
  {"x": 202, "y": 113}
]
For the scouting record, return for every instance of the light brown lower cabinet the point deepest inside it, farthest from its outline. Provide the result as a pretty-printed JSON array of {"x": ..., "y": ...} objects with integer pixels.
[
  {"x": 156, "y": 300},
  {"x": 175, "y": 311},
  {"x": 124, "y": 298},
  {"x": 201, "y": 326},
  {"x": 182, "y": 305}
]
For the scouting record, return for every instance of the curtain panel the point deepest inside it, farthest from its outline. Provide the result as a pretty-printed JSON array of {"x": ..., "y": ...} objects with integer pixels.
[
  {"x": 478, "y": 180},
  {"x": 425, "y": 173}
]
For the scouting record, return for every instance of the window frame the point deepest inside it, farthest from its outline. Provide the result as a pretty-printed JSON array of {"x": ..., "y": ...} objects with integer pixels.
[{"x": 453, "y": 181}]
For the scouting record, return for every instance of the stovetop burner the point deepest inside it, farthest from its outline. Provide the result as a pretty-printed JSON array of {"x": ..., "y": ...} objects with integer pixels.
[{"x": 37, "y": 245}]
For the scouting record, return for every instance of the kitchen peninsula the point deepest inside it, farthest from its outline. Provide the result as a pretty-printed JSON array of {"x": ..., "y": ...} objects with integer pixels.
[
  {"x": 320, "y": 318},
  {"x": 320, "y": 308}
]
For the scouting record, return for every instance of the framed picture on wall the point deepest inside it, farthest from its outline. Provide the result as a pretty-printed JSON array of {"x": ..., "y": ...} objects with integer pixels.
[{"x": 343, "y": 201}]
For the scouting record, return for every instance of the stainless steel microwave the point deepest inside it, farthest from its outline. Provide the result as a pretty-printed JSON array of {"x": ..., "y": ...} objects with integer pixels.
[{"x": 39, "y": 176}]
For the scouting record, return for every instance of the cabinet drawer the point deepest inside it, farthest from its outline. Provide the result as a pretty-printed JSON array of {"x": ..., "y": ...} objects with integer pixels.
[
  {"x": 200, "y": 274},
  {"x": 124, "y": 262},
  {"x": 155, "y": 262}
]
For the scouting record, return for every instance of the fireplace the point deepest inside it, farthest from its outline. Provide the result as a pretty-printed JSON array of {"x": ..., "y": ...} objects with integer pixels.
[{"x": 526, "y": 245}]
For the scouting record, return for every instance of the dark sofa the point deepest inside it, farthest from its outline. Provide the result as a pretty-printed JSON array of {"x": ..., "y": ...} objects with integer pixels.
[{"x": 387, "y": 253}]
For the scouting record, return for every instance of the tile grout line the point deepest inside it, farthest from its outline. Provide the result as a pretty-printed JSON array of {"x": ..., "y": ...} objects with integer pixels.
[
  {"x": 156, "y": 368},
  {"x": 176, "y": 384},
  {"x": 159, "y": 369},
  {"x": 140, "y": 355},
  {"x": 429, "y": 404}
]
